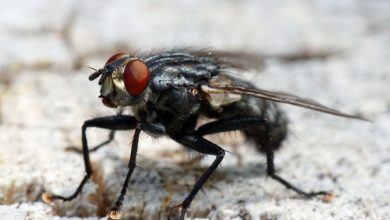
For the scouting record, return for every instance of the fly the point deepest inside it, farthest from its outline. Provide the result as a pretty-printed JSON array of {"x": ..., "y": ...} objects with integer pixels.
[{"x": 168, "y": 92}]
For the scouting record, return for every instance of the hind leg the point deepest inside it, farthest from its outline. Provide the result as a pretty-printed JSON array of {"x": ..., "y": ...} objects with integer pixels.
[{"x": 240, "y": 123}]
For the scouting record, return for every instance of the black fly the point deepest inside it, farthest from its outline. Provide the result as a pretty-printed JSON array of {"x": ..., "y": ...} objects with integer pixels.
[{"x": 168, "y": 92}]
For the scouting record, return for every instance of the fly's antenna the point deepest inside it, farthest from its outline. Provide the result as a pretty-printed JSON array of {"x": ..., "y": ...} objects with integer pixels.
[
  {"x": 94, "y": 75},
  {"x": 104, "y": 72},
  {"x": 91, "y": 68}
]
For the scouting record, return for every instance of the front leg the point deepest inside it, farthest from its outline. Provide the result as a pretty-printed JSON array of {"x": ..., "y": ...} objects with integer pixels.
[
  {"x": 149, "y": 128},
  {"x": 118, "y": 117},
  {"x": 119, "y": 122},
  {"x": 204, "y": 146}
]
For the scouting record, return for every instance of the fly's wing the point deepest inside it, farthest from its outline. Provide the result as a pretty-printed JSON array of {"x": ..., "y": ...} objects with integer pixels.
[
  {"x": 276, "y": 97},
  {"x": 239, "y": 60}
]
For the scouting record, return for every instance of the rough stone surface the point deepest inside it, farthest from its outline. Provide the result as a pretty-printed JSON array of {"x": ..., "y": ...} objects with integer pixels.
[{"x": 336, "y": 52}]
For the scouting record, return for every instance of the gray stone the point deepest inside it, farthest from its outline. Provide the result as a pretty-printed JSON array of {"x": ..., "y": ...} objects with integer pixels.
[{"x": 335, "y": 52}]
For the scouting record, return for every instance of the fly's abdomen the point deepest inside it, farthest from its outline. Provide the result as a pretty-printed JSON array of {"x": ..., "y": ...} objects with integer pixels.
[
  {"x": 277, "y": 124},
  {"x": 254, "y": 107}
]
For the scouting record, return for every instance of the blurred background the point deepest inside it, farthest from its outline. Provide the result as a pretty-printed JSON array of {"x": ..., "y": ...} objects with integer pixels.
[{"x": 336, "y": 52}]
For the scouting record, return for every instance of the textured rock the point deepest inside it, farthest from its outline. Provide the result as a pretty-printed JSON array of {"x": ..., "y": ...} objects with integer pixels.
[{"x": 335, "y": 52}]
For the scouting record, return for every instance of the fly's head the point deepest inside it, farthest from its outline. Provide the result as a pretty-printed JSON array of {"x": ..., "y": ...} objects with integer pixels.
[{"x": 124, "y": 80}]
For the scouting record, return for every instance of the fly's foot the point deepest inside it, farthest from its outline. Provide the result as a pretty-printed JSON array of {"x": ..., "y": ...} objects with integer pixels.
[
  {"x": 73, "y": 149},
  {"x": 180, "y": 209},
  {"x": 47, "y": 197},
  {"x": 326, "y": 196},
  {"x": 314, "y": 194},
  {"x": 329, "y": 197},
  {"x": 115, "y": 214}
]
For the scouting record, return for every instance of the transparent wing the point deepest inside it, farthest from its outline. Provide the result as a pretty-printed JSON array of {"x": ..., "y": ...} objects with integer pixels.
[
  {"x": 277, "y": 97},
  {"x": 239, "y": 60}
]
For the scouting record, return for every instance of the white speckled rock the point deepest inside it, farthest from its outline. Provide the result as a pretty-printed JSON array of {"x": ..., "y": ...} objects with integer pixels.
[{"x": 45, "y": 96}]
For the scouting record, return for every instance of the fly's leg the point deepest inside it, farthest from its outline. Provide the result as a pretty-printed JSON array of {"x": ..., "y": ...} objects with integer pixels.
[
  {"x": 239, "y": 123},
  {"x": 288, "y": 185},
  {"x": 115, "y": 212},
  {"x": 119, "y": 122},
  {"x": 204, "y": 146},
  {"x": 97, "y": 147},
  {"x": 231, "y": 124}
]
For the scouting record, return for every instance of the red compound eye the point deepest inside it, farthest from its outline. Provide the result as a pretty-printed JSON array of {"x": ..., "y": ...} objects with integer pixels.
[
  {"x": 136, "y": 77},
  {"x": 115, "y": 57}
]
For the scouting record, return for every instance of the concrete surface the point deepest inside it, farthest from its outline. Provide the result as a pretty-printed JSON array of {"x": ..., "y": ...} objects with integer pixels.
[{"x": 336, "y": 52}]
